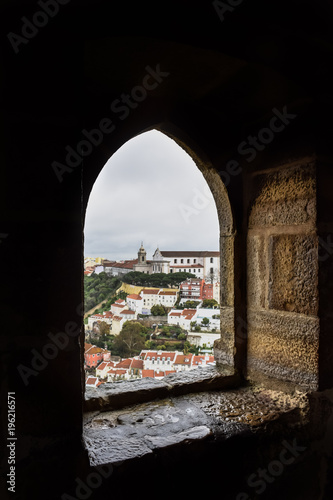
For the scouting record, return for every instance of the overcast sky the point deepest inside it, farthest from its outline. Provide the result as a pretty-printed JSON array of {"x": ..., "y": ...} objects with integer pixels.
[{"x": 150, "y": 190}]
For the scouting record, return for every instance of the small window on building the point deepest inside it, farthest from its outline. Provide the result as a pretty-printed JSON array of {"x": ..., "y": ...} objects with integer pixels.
[
  {"x": 211, "y": 270},
  {"x": 211, "y": 260},
  {"x": 194, "y": 261},
  {"x": 175, "y": 261},
  {"x": 188, "y": 261}
]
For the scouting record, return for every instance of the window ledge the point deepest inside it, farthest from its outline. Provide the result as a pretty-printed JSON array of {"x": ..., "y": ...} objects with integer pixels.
[
  {"x": 117, "y": 395},
  {"x": 145, "y": 430}
]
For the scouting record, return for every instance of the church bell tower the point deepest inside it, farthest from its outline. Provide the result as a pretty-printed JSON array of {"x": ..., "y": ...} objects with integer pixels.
[{"x": 142, "y": 255}]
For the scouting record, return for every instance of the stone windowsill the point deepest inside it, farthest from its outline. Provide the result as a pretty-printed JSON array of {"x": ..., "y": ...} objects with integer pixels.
[
  {"x": 117, "y": 395},
  {"x": 148, "y": 428}
]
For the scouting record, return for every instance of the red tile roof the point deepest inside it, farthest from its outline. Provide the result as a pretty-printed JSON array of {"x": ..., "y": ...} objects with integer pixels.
[
  {"x": 175, "y": 314},
  {"x": 108, "y": 314},
  {"x": 134, "y": 296},
  {"x": 117, "y": 318},
  {"x": 162, "y": 354},
  {"x": 147, "y": 373},
  {"x": 116, "y": 371},
  {"x": 137, "y": 363},
  {"x": 199, "y": 360},
  {"x": 183, "y": 359},
  {"x": 150, "y": 291},
  {"x": 104, "y": 364},
  {"x": 127, "y": 311},
  {"x": 167, "y": 293},
  {"x": 117, "y": 305},
  {"x": 91, "y": 380},
  {"x": 94, "y": 350},
  {"x": 125, "y": 363}
]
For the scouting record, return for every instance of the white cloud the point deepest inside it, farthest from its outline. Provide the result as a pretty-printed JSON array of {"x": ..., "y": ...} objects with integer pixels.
[{"x": 142, "y": 194}]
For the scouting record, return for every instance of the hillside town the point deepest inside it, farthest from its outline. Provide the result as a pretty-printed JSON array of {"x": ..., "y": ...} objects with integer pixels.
[{"x": 180, "y": 323}]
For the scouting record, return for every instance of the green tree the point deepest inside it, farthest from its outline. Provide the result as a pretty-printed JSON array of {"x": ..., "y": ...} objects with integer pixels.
[
  {"x": 190, "y": 304},
  {"x": 209, "y": 303},
  {"x": 158, "y": 310},
  {"x": 131, "y": 339},
  {"x": 205, "y": 321},
  {"x": 186, "y": 347},
  {"x": 104, "y": 328}
]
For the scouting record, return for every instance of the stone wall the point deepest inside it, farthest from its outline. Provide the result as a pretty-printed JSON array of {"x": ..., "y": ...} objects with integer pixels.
[{"x": 282, "y": 273}]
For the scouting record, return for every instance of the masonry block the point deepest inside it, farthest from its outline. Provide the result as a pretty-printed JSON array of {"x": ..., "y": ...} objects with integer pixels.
[{"x": 293, "y": 281}]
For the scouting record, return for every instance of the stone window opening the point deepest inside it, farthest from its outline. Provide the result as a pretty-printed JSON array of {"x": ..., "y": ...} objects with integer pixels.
[{"x": 223, "y": 373}]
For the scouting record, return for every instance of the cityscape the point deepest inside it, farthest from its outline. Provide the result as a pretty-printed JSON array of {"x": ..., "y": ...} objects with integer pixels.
[{"x": 150, "y": 318}]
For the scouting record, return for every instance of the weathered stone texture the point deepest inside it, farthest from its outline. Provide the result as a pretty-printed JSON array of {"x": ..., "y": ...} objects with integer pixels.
[
  {"x": 282, "y": 275},
  {"x": 284, "y": 197},
  {"x": 293, "y": 273},
  {"x": 224, "y": 347},
  {"x": 227, "y": 270},
  {"x": 284, "y": 345},
  {"x": 257, "y": 271}
]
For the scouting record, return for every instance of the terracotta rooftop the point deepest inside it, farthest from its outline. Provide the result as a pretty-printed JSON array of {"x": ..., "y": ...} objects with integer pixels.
[
  {"x": 150, "y": 291},
  {"x": 183, "y": 359}
]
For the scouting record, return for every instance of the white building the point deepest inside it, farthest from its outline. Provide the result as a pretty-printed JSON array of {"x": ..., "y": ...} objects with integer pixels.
[
  {"x": 134, "y": 302},
  {"x": 154, "y": 296},
  {"x": 182, "y": 318},
  {"x": 203, "y": 339},
  {"x": 103, "y": 368},
  {"x": 162, "y": 360},
  {"x": 204, "y": 264},
  {"x": 96, "y": 318},
  {"x": 149, "y": 299},
  {"x": 118, "y": 306},
  {"x": 119, "y": 268}
]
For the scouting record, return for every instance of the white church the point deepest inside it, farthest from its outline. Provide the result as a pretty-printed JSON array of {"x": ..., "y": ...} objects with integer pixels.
[{"x": 204, "y": 264}]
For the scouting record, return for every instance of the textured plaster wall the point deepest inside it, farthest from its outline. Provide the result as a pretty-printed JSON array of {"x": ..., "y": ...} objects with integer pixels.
[{"x": 282, "y": 274}]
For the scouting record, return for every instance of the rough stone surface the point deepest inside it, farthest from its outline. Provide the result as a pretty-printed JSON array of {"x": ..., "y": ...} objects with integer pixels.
[
  {"x": 227, "y": 270},
  {"x": 284, "y": 345},
  {"x": 257, "y": 264},
  {"x": 284, "y": 197},
  {"x": 114, "y": 436},
  {"x": 115, "y": 395},
  {"x": 224, "y": 346},
  {"x": 120, "y": 435},
  {"x": 118, "y": 395},
  {"x": 293, "y": 273}
]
